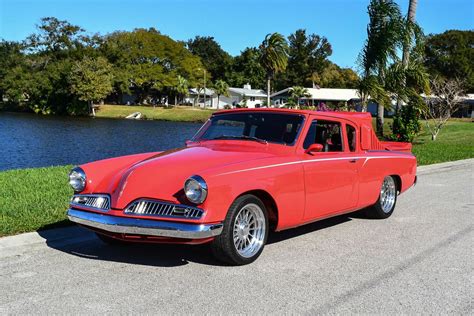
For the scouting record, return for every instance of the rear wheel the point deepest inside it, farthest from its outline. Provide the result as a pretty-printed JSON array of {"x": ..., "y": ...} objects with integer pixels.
[
  {"x": 245, "y": 232},
  {"x": 385, "y": 205}
]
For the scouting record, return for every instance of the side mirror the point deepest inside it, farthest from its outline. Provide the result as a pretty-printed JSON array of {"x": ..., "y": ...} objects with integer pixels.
[{"x": 314, "y": 148}]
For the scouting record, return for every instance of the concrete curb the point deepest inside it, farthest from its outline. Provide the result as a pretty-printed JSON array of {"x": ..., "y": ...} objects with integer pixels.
[
  {"x": 76, "y": 234},
  {"x": 19, "y": 244},
  {"x": 444, "y": 166}
]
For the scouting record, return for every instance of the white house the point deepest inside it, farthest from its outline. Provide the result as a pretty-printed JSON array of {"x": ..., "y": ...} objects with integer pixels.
[
  {"x": 253, "y": 98},
  {"x": 317, "y": 95},
  {"x": 197, "y": 96}
]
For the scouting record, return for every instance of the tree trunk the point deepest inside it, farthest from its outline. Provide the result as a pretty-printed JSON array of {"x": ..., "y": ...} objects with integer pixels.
[
  {"x": 268, "y": 91},
  {"x": 435, "y": 133},
  {"x": 175, "y": 100},
  {"x": 380, "y": 112},
  {"x": 407, "y": 44},
  {"x": 218, "y": 97},
  {"x": 91, "y": 106}
]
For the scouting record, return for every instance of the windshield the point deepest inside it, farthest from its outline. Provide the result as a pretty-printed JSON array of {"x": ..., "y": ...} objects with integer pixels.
[{"x": 259, "y": 127}]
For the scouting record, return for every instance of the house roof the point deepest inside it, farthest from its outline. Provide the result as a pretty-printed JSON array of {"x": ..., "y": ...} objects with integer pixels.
[
  {"x": 329, "y": 94},
  {"x": 248, "y": 92},
  {"x": 209, "y": 92}
]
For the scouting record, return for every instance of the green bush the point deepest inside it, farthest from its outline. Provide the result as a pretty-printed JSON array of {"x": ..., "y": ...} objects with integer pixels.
[{"x": 406, "y": 124}]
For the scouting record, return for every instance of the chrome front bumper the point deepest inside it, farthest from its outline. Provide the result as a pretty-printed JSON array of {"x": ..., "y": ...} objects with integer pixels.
[{"x": 127, "y": 225}]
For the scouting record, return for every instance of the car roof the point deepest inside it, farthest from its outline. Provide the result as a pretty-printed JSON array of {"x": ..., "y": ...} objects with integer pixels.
[{"x": 353, "y": 116}]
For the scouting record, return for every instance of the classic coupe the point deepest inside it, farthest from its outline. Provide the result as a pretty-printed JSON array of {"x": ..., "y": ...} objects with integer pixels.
[{"x": 246, "y": 173}]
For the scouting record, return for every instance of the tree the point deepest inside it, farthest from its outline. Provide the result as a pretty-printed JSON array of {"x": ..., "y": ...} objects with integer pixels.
[
  {"x": 296, "y": 93},
  {"x": 410, "y": 25},
  {"x": 410, "y": 29},
  {"x": 451, "y": 55},
  {"x": 58, "y": 38},
  {"x": 334, "y": 76},
  {"x": 274, "y": 57},
  {"x": 384, "y": 35},
  {"x": 246, "y": 68},
  {"x": 11, "y": 64},
  {"x": 447, "y": 98},
  {"x": 307, "y": 58},
  {"x": 217, "y": 61},
  {"x": 221, "y": 88},
  {"x": 91, "y": 80},
  {"x": 148, "y": 62},
  {"x": 385, "y": 75},
  {"x": 182, "y": 88}
]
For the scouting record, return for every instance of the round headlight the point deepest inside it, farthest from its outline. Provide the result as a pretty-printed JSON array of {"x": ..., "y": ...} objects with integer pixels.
[
  {"x": 195, "y": 189},
  {"x": 77, "y": 179}
]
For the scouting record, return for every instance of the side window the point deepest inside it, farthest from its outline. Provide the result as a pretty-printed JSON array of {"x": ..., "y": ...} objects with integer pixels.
[
  {"x": 326, "y": 133},
  {"x": 351, "y": 137}
]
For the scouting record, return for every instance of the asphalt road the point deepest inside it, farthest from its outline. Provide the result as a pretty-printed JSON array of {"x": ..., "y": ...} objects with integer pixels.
[{"x": 418, "y": 261}]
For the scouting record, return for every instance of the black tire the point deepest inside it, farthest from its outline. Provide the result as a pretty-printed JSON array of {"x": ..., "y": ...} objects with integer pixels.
[
  {"x": 109, "y": 240},
  {"x": 223, "y": 246},
  {"x": 377, "y": 211}
]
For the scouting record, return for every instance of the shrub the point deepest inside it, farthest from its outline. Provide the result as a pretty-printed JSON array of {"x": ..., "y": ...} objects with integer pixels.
[{"x": 406, "y": 122}]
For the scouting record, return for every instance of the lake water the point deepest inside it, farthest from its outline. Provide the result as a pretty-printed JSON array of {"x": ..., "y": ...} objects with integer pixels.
[{"x": 28, "y": 140}]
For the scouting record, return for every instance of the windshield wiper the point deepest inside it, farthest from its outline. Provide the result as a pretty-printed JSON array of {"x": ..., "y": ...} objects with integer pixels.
[{"x": 242, "y": 137}]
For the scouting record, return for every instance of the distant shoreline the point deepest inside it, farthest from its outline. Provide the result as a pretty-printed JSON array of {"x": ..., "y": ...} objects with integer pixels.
[{"x": 171, "y": 114}]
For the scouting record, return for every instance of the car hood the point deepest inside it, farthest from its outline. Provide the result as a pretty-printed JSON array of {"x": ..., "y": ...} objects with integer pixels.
[{"x": 162, "y": 176}]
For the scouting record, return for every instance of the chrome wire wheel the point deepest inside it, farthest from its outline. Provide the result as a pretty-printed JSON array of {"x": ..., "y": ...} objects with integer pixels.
[
  {"x": 249, "y": 230},
  {"x": 388, "y": 194}
]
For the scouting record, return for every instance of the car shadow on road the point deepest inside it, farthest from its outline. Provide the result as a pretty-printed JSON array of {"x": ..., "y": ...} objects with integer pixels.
[{"x": 160, "y": 255}]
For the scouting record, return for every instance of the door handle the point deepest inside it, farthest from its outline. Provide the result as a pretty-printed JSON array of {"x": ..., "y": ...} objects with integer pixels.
[{"x": 353, "y": 160}]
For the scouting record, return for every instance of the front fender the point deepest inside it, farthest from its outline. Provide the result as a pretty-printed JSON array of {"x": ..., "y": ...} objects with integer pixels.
[
  {"x": 281, "y": 178},
  {"x": 103, "y": 175}
]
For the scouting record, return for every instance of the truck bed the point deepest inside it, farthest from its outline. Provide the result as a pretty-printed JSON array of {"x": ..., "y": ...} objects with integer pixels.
[{"x": 397, "y": 146}]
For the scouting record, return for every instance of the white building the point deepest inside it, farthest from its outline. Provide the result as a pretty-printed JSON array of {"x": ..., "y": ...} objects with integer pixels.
[
  {"x": 317, "y": 95},
  {"x": 252, "y": 98},
  {"x": 202, "y": 98}
]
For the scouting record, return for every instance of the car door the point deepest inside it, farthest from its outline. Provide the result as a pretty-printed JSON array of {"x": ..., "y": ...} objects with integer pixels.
[{"x": 331, "y": 180}]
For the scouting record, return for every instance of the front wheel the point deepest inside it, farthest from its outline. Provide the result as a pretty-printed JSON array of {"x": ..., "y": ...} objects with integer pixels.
[
  {"x": 245, "y": 232},
  {"x": 385, "y": 205}
]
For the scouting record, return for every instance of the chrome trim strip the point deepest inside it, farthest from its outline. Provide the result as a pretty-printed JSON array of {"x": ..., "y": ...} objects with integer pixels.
[{"x": 127, "y": 225}]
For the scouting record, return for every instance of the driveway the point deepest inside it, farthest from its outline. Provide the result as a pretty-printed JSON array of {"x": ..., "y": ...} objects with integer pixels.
[{"x": 420, "y": 260}]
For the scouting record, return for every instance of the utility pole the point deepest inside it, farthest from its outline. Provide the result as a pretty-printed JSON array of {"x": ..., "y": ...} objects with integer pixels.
[{"x": 204, "y": 88}]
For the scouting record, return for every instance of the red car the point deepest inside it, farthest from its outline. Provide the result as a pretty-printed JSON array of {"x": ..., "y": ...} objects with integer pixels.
[{"x": 245, "y": 173}]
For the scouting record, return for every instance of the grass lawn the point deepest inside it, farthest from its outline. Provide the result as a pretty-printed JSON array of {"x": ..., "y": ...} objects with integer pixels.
[
  {"x": 454, "y": 142},
  {"x": 31, "y": 199},
  {"x": 176, "y": 114}
]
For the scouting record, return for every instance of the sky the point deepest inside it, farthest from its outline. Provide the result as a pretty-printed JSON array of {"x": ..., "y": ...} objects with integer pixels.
[{"x": 235, "y": 25}]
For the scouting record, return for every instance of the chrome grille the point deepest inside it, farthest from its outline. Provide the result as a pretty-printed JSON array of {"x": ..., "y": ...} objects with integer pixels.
[
  {"x": 93, "y": 201},
  {"x": 163, "y": 209}
]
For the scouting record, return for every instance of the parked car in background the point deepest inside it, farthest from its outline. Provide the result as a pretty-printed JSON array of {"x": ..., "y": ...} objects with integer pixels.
[{"x": 246, "y": 173}]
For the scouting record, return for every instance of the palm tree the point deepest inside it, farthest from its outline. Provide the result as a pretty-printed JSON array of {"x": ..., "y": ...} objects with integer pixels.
[
  {"x": 221, "y": 88},
  {"x": 182, "y": 88},
  {"x": 384, "y": 73},
  {"x": 274, "y": 57},
  {"x": 411, "y": 32},
  {"x": 410, "y": 23},
  {"x": 296, "y": 93},
  {"x": 384, "y": 35}
]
